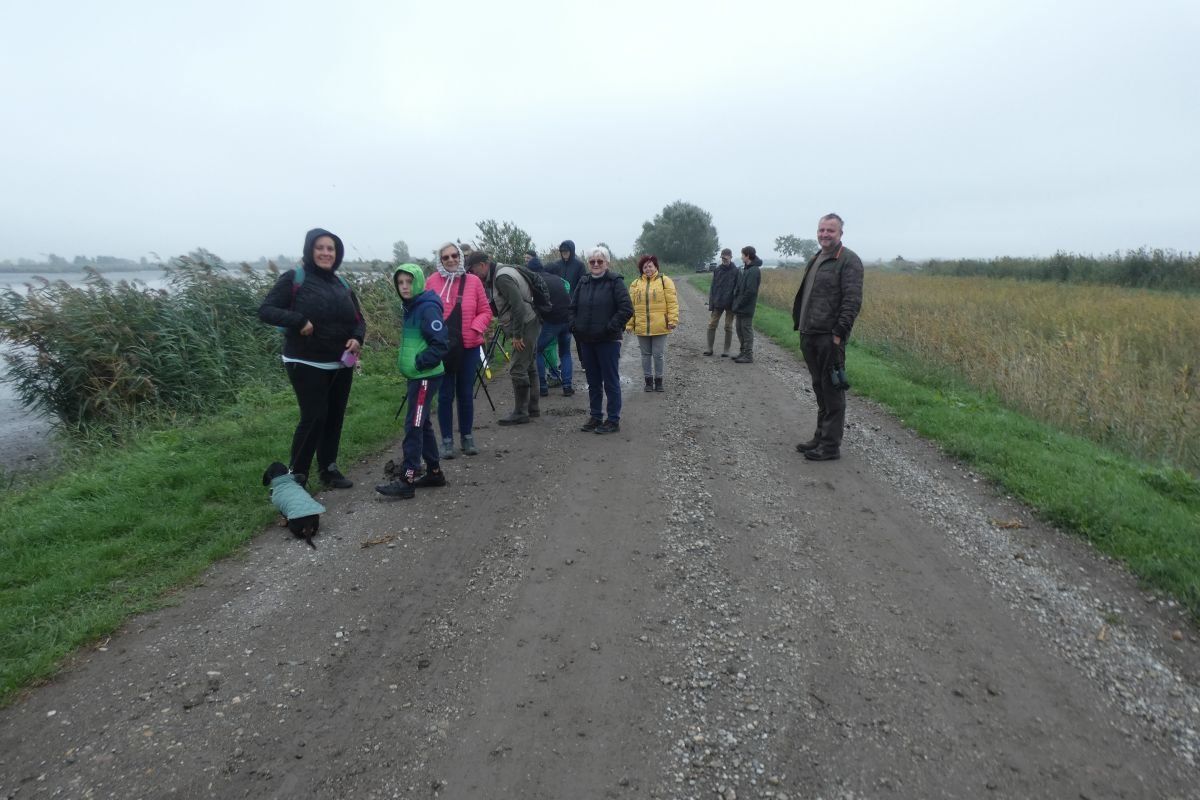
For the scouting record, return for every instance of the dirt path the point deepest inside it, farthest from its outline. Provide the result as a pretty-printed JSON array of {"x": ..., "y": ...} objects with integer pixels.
[{"x": 685, "y": 610}]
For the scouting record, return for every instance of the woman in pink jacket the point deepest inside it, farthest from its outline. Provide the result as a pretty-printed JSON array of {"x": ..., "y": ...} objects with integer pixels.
[{"x": 468, "y": 314}]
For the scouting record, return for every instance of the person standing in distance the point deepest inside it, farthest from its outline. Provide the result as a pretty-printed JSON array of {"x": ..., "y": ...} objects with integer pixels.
[
  {"x": 720, "y": 301},
  {"x": 745, "y": 301},
  {"x": 824, "y": 311}
]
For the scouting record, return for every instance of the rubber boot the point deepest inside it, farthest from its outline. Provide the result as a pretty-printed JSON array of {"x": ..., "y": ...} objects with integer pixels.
[
  {"x": 520, "y": 412},
  {"x": 535, "y": 403},
  {"x": 712, "y": 337},
  {"x": 728, "y": 342}
]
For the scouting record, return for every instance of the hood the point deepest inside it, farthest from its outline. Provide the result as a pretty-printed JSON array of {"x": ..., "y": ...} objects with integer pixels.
[
  {"x": 535, "y": 264},
  {"x": 755, "y": 262},
  {"x": 567, "y": 245},
  {"x": 418, "y": 278},
  {"x": 310, "y": 239}
]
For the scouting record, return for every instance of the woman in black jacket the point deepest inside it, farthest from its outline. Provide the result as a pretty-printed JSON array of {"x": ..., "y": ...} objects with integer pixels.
[
  {"x": 323, "y": 330},
  {"x": 600, "y": 307}
]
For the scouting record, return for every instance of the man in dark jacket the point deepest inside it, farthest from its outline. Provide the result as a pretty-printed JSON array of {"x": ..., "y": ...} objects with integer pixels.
[
  {"x": 555, "y": 366},
  {"x": 745, "y": 300},
  {"x": 568, "y": 267},
  {"x": 824, "y": 311},
  {"x": 720, "y": 301}
]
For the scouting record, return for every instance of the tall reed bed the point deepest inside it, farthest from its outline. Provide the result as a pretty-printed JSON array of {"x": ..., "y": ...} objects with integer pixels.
[
  {"x": 1117, "y": 365},
  {"x": 100, "y": 358}
]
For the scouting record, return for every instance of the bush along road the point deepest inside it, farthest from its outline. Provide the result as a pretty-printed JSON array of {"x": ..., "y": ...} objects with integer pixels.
[{"x": 685, "y": 609}]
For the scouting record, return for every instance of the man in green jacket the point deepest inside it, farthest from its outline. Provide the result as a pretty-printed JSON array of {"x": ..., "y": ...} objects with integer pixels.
[
  {"x": 516, "y": 316},
  {"x": 824, "y": 311}
]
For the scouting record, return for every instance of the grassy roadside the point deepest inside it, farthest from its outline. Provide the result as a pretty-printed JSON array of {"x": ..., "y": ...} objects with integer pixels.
[
  {"x": 1147, "y": 517},
  {"x": 83, "y": 551}
]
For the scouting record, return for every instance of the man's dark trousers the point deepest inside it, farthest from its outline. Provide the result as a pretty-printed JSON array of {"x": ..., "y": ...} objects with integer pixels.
[{"x": 820, "y": 356}]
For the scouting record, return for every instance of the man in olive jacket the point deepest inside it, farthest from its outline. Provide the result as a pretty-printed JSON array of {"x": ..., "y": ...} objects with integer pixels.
[
  {"x": 824, "y": 311},
  {"x": 745, "y": 301},
  {"x": 513, "y": 297}
]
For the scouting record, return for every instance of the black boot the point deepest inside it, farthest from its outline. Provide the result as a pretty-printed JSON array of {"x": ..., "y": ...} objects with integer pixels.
[
  {"x": 649, "y": 384},
  {"x": 658, "y": 385},
  {"x": 520, "y": 412}
]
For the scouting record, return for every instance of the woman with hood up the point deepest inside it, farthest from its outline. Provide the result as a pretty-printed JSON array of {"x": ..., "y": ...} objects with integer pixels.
[
  {"x": 467, "y": 315},
  {"x": 323, "y": 330},
  {"x": 423, "y": 345}
]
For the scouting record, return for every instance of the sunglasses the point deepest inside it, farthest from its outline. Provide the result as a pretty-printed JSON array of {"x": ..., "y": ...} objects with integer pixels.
[
  {"x": 451, "y": 257},
  {"x": 596, "y": 262}
]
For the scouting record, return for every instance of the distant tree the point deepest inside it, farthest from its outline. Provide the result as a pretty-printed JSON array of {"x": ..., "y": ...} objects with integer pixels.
[
  {"x": 504, "y": 242},
  {"x": 682, "y": 233},
  {"x": 400, "y": 253},
  {"x": 789, "y": 245}
]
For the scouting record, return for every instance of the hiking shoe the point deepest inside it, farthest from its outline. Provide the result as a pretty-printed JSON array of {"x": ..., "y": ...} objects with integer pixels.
[
  {"x": 708, "y": 352},
  {"x": 431, "y": 480},
  {"x": 301, "y": 478},
  {"x": 804, "y": 447},
  {"x": 823, "y": 454},
  {"x": 612, "y": 426},
  {"x": 568, "y": 391},
  {"x": 448, "y": 448},
  {"x": 591, "y": 425},
  {"x": 468, "y": 446},
  {"x": 405, "y": 490},
  {"x": 332, "y": 477},
  {"x": 743, "y": 360},
  {"x": 724, "y": 355}
]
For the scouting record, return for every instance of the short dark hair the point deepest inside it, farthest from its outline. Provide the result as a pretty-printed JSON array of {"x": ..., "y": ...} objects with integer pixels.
[
  {"x": 477, "y": 257},
  {"x": 727, "y": 252},
  {"x": 749, "y": 250},
  {"x": 831, "y": 215}
]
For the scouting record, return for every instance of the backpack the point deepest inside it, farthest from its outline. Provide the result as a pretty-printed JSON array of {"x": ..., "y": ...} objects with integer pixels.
[
  {"x": 543, "y": 305},
  {"x": 297, "y": 280}
]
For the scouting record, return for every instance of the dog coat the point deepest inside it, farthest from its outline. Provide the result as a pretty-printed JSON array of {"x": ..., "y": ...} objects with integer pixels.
[{"x": 291, "y": 499}]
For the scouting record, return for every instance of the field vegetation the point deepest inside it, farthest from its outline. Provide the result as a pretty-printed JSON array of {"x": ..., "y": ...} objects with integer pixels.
[
  {"x": 1144, "y": 268},
  {"x": 1116, "y": 365}
]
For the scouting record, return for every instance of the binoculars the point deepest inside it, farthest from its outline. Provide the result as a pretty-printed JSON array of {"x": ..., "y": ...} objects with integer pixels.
[{"x": 837, "y": 377}]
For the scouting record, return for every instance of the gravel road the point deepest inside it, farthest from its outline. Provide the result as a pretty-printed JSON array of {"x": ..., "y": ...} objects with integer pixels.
[{"x": 687, "y": 609}]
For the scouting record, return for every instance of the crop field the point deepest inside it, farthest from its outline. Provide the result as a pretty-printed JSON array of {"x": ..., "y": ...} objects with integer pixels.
[{"x": 1116, "y": 365}]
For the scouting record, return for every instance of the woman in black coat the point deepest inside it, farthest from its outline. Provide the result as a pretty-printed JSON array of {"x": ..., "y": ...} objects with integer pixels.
[
  {"x": 600, "y": 307},
  {"x": 323, "y": 330}
]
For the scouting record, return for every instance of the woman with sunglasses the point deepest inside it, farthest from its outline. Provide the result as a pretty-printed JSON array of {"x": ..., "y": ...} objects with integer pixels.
[
  {"x": 600, "y": 309},
  {"x": 467, "y": 313}
]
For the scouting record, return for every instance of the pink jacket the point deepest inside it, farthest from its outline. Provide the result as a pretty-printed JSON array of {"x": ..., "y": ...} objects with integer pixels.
[{"x": 476, "y": 313}]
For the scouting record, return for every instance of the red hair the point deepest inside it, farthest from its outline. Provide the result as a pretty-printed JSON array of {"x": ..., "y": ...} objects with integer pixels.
[{"x": 644, "y": 260}]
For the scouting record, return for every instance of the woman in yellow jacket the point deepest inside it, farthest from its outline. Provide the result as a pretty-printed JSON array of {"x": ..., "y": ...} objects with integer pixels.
[{"x": 655, "y": 314}]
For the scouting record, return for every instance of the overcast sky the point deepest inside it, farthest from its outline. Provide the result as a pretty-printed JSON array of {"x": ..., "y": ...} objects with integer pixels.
[{"x": 934, "y": 128}]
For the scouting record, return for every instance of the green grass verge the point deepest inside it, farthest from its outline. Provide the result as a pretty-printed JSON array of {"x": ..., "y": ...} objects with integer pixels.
[
  {"x": 82, "y": 551},
  {"x": 1146, "y": 516}
]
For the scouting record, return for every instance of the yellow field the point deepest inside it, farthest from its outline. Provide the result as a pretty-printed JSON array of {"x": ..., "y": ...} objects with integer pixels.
[{"x": 1117, "y": 365}]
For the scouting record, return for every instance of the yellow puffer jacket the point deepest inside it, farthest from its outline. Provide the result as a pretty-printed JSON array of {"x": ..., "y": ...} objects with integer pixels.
[{"x": 655, "y": 306}]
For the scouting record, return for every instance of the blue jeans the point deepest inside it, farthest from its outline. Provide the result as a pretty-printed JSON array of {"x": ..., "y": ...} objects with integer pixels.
[
  {"x": 459, "y": 385},
  {"x": 552, "y": 331},
  {"x": 419, "y": 441},
  {"x": 600, "y": 363}
]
